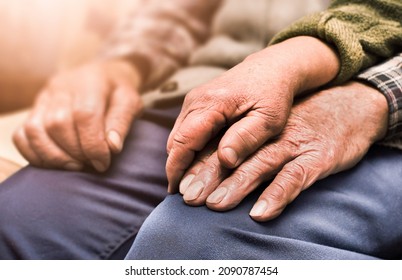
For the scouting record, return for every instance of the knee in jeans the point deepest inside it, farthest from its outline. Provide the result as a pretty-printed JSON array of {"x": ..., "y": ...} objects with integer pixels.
[{"x": 168, "y": 234}]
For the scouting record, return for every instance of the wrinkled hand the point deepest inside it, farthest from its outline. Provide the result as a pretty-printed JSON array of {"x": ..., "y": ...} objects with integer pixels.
[
  {"x": 81, "y": 117},
  {"x": 253, "y": 100},
  {"x": 326, "y": 133}
]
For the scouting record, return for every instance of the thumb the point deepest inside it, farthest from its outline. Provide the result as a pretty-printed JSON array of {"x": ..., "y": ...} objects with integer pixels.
[{"x": 247, "y": 135}]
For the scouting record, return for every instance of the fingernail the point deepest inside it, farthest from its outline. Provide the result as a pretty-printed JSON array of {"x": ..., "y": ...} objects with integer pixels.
[
  {"x": 73, "y": 166},
  {"x": 115, "y": 140},
  {"x": 230, "y": 155},
  {"x": 217, "y": 196},
  {"x": 99, "y": 166},
  {"x": 259, "y": 208},
  {"x": 185, "y": 183},
  {"x": 193, "y": 191}
]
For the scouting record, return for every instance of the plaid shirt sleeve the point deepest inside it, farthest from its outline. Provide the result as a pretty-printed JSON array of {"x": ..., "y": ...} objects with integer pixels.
[{"x": 387, "y": 78}]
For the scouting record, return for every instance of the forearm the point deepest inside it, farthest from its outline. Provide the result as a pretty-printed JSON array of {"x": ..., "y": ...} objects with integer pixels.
[
  {"x": 299, "y": 63},
  {"x": 362, "y": 32},
  {"x": 160, "y": 36}
]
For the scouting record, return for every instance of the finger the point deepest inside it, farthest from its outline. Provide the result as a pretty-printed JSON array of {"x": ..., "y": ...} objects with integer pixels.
[
  {"x": 174, "y": 130},
  {"x": 194, "y": 132},
  {"x": 203, "y": 177},
  {"x": 247, "y": 135},
  {"x": 205, "y": 181},
  {"x": 193, "y": 170},
  {"x": 124, "y": 106},
  {"x": 52, "y": 155},
  {"x": 21, "y": 142},
  {"x": 59, "y": 124},
  {"x": 260, "y": 167},
  {"x": 213, "y": 103},
  {"x": 89, "y": 107},
  {"x": 287, "y": 185}
]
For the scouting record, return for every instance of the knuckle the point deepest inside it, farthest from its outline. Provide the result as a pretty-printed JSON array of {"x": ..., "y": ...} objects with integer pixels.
[
  {"x": 32, "y": 127},
  {"x": 212, "y": 121},
  {"x": 205, "y": 97},
  {"x": 83, "y": 114},
  {"x": 278, "y": 193},
  {"x": 263, "y": 163},
  {"x": 273, "y": 120},
  {"x": 241, "y": 178},
  {"x": 297, "y": 173},
  {"x": 192, "y": 95},
  {"x": 238, "y": 99},
  {"x": 292, "y": 145},
  {"x": 57, "y": 121},
  {"x": 247, "y": 137},
  {"x": 301, "y": 174},
  {"x": 327, "y": 157},
  {"x": 292, "y": 180},
  {"x": 214, "y": 168},
  {"x": 202, "y": 93},
  {"x": 275, "y": 126},
  {"x": 17, "y": 135},
  {"x": 330, "y": 153},
  {"x": 182, "y": 139}
]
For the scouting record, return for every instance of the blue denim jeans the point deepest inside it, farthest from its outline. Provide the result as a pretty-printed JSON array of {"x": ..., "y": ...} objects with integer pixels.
[
  {"x": 351, "y": 215},
  {"x": 50, "y": 214}
]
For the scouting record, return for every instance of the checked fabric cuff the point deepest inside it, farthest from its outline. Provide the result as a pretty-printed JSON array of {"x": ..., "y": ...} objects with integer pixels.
[{"x": 387, "y": 77}]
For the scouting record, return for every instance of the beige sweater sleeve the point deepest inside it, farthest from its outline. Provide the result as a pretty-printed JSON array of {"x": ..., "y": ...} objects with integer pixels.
[{"x": 160, "y": 35}]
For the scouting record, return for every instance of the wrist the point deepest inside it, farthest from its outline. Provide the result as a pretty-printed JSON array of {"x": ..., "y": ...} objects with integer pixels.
[
  {"x": 363, "y": 109},
  {"x": 141, "y": 65},
  {"x": 376, "y": 108},
  {"x": 126, "y": 69},
  {"x": 309, "y": 62}
]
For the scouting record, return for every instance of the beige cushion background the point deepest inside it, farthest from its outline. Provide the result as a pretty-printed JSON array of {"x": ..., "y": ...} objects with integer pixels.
[{"x": 40, "y": 37}]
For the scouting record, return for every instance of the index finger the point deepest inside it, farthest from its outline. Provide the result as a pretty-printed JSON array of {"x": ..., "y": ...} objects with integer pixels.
[
  {"x": 89, "y": 115},
  {"x": 124, "y": 106},
  {"x": 188, "y": 138}
]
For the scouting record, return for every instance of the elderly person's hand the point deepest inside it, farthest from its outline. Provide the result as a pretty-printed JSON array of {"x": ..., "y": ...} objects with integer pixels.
[
  {"x": 326, "y": 133},
  {"x": 82, "y": 116},
  {"x": 253, "y": 99}
]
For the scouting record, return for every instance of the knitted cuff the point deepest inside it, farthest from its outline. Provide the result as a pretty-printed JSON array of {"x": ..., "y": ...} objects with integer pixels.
[{"x": 362, "y": 32}]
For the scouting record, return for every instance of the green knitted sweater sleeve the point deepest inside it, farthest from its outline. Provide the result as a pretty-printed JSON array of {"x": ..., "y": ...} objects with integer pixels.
[{"x": 362, "y": 32}]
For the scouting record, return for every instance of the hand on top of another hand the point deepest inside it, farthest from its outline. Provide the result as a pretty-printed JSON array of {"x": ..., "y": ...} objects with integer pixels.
[
  {"x": 326, "y": 133},
  {"x": 81, "y": 116},
  {"x": 252, "y": 100}
]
